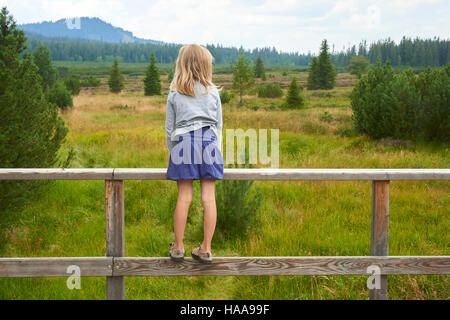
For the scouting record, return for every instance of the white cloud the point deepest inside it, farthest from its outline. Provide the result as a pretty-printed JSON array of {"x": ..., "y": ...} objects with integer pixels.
[{"x": 289, "y": 25}]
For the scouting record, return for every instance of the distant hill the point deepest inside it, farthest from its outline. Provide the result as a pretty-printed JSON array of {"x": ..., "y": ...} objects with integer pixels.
[{"x": 89, "y": 29}]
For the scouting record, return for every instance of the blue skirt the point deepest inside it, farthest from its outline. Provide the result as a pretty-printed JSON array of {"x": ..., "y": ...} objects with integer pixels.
[{"x": 196, "y": 156}]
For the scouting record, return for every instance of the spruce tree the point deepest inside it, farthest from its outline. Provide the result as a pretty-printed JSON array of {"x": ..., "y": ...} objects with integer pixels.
[
  {"x": 55, "y": 91},
  {"x": 171, "y": 75},
  {"x": 42, "y": 59},
  {"x": 242, "y": 75},
  {"x": 327, "y": 74},
  {"x": 294, "y": 97},
  {"x": 152, "y": 82},
  {"x": 259, "y": 68},
  {"x": 313, "y": 76},
  {"x": 358, "y": 65},
  {"x": 115, "y": 78},
  {"x": 31, "y": 132}
]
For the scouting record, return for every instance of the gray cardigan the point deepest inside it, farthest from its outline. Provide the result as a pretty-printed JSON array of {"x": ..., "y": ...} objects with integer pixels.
[{"x": 185, "y": 113}]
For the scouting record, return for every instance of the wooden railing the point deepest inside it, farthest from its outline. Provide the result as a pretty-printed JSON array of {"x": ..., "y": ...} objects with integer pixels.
[{"x": 115, "y": 266}]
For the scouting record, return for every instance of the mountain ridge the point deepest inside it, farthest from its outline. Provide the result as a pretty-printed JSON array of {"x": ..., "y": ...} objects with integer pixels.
[{"x": 89, "y": 28}]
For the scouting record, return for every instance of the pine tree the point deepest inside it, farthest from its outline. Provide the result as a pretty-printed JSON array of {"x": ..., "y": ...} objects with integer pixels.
[
  {"x": 42, "y": 59},
  {"x": 322, "y": 74},
  {"x": 327, "y": 74},
  {"x": 313, "y": 76},
  {"x": 358, "y": 65},
  {"x": 242, "y": 75},
  {"x": 31, "y": 132},
  {"x": 294, "y": 97},
  {"x": 152, "y": 82},
  {"x": 375, "y": 107},
  {"x": 115, "y": 78},
  {"x": 259, "y": 68},
  {"x": 171, "y": 75},
  {"x": 54, "y": 89}
]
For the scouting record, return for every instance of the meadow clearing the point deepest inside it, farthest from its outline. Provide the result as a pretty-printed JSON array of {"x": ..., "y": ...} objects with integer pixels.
[{"x": 299, "y": 218}]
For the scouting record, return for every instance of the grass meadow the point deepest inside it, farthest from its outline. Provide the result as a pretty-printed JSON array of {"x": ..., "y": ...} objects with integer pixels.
[{"x": 300, "y": 218}]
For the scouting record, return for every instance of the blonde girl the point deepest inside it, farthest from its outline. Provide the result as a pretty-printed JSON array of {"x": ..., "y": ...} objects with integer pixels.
[{"x": 194, "y": 140}]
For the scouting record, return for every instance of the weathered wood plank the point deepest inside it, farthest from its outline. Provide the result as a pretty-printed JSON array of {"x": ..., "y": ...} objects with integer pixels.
[
  {"x": 56, "y": 174},
  {"x": 300, "y": 174},
  {"x": 337, "y": 174},
  {"x": 230, "y": 174},
  {"x": 223, "y": 266},
  {"x": 115, "y": 234},
  {"x": 245, "y": 266},
  {"x": 54, "y": 267},
  {"x": 379, "y": 243},
  {"x": 140, "y": 174}
]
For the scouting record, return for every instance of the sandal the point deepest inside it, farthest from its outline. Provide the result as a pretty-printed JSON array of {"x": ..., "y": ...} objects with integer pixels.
[
  {"x": 176, "y": 254},
  {"x": 202, "y": 257}
]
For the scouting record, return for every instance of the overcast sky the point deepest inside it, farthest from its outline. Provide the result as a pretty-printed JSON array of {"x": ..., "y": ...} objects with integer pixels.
[{"x": 289, "y": 25}]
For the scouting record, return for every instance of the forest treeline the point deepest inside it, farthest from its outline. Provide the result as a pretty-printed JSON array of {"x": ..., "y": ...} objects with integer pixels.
[{"x": 408, "y": 52}]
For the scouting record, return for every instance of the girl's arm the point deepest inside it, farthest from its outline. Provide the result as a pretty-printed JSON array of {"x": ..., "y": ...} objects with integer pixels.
[
  {"x": 219, "y": 123},
  {"x": 170, "y": 122}
]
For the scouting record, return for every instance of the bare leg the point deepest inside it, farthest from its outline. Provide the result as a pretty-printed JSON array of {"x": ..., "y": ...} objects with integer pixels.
[
  {"x": 210, "y": 212},
  {"x": 181, "y": 211}
]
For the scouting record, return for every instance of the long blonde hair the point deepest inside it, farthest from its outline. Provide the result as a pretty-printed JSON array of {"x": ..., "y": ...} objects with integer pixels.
[{"x": 194, "y": 63}]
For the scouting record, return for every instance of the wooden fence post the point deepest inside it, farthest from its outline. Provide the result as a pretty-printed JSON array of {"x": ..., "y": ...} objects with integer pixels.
[
  {"x": 115, "y": 236},
  {"x": 380, "y": 231}
]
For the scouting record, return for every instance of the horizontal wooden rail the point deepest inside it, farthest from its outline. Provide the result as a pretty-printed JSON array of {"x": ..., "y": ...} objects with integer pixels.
[
  {"x": 227, "y": 266},
  {"x": 271, "y": 266},
  {"x": 54, "y": 267},
  {"x": 229, "y": 174}
]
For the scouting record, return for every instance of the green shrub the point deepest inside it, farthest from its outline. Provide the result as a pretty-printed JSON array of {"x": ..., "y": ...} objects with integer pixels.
[
  {"x": 314, "y": 128},
  {"x": 60, "y": 95},
  {"x": 433, "y": 111},
  {"x": 358, "y": 65},
  {"x": 225, "y": 96},
  {"x": 326, "y": 117},
  {"x": 346, "y": 132},
  {"x": 123, "y": 107},
  {"x": 91, "y": 82},
  {"x": 238, "y": 203},
  {"x": 322, "y": 94},
  {"x": 270, "y": 91},
  {"x": 402, "y": 106},
  {"x": 73, "y": 84}
]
